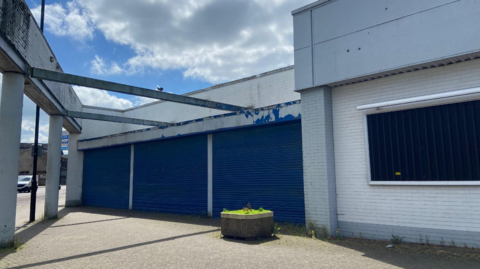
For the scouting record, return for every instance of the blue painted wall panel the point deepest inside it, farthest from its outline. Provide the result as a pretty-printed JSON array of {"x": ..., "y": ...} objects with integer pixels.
[
  {"x": 171, "y": 176},
  {"x": 262, "y": 166},
  {"x": 106, "y": 177}
]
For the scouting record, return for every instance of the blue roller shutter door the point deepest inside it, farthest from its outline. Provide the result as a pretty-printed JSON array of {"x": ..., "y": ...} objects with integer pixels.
[
  {"x": 261, "y": 166},
  {"x": 106, "y": 177},
  {"x": 170, "y": 176}
]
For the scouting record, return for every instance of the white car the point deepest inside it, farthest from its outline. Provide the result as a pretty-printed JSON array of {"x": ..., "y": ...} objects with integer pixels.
[{"x": 24, "y": 183}]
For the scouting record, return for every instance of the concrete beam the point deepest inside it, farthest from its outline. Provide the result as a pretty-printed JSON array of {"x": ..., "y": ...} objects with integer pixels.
[
  {"x": 126, "y": 89},
  {"x": 102, "y": 117}
]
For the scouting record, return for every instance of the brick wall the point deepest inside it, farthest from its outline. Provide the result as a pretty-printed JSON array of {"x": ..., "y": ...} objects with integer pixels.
[{"x": 318, "y": 158}]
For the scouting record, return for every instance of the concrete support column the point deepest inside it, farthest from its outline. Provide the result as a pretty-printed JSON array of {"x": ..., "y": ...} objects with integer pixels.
[
  {"x": 11, "y": 103},
  {"x": 319, "y": 158},
  {"x": 53, "y": 166},
  {"x": 74, "y": 172}
]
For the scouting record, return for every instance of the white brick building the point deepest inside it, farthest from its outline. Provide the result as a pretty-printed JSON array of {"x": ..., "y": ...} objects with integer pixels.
[
  {"x": 345, "y": 185},
  {"x": 390, "y": 113},
  {"x": 376, "y": 132}
]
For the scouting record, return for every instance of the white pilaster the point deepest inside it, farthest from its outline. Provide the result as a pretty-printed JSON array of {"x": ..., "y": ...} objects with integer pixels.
[
  {"x": 11, "y": 103},
  {"x": 210, "y": 175},
  {"x": 319, "y": 158},
  {"x": 132, "y": 156},
  {"x": 74, "y": 172}
]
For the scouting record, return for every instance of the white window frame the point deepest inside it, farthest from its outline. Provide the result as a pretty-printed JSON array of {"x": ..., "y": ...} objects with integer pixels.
[{"x": 452, "y": 97}]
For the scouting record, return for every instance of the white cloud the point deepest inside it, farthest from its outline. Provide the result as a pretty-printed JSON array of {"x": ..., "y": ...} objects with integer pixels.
[
  {"x": 28, "y": 131},
  {"x": 211, "y": 40},
  {"x": 72, "y": 21},
  {"x": 101, "y": 98},
  {"x": 140, "y": 100},
  {"x": 99, "y": 67}
]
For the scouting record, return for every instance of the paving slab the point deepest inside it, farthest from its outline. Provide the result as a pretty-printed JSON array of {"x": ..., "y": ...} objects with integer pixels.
[{"x": 86, "y": 237}]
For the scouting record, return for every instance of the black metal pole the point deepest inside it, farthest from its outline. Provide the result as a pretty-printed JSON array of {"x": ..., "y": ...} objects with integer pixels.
[{"x": 33, "y": 191}]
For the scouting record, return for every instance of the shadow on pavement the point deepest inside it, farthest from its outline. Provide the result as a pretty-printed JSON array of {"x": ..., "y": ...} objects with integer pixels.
[
  {"x": 413, "y": 255},
  {"x": 83, "y": 223},
  {"x": 39, "y": 226},
  {"x": 187, "y": 219},
  {"x": 251, "y": 242},
  {"x": 113, "y": 249}
]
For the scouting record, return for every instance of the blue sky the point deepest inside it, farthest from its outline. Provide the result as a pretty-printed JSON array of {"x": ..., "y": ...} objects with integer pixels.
[
  {"x": 181, "y": 45},
  {"x": 75, "y": 57}
]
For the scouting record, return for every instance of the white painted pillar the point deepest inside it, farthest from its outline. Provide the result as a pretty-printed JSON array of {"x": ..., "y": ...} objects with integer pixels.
[
  {"x": 319, "y": 158},
  {"x": 11, "y": 103},
  {"x": 53, "y": 166},
  {"x": 74, "y": 172},
  {"x": 210, "y": 175},
  {"x": 132, "y": 156}
]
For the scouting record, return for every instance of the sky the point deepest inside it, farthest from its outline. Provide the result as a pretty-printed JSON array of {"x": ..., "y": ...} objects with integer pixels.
[{"x": 180, "y": 45}]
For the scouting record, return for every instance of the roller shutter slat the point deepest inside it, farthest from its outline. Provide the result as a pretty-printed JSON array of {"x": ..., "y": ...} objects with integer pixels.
[{"x": 263, "y": 166}]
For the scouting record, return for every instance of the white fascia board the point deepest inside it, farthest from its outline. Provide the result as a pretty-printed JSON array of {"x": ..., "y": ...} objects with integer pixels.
[
  {"x": 424, "y": 183},
  {"x": 256, "y": 117}
]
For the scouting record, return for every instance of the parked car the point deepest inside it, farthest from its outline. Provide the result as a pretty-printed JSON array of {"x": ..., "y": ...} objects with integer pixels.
[{"x": 24, "y": 183}]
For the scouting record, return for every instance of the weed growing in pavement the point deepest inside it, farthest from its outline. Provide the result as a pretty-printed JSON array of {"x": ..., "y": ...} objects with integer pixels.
[
  {"x": 17, "y": 245},
  {"x": 396, "y": 239},
  {"x": 339, "y": 237},
  {"x": 453, "y": 244},
  {"x": 442, "y": 242},
  {"x": 324, "y": 233},
  {"x": 292, "y": 229},
  {"x": 421, "y": 239},
  {"x": 311, "y": 229},
  {"x": 427, "y": 241},
  {"x": 275, "y": 229}
]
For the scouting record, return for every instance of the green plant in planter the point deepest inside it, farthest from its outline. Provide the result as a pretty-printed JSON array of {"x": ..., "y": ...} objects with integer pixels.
[{"x": 246, "y": 211}]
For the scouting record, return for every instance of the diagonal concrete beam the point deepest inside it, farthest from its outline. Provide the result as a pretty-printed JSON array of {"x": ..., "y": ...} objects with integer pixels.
[
  {"x": 102, "y": 117},
  {"x": 132, "y": 90}
]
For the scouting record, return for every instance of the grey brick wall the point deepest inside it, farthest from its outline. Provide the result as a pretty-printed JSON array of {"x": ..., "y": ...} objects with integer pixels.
[{"x": 318, "y": 158}]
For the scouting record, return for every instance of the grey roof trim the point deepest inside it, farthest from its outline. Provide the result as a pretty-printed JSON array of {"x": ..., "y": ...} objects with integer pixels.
[
  {"x": 219, "y": 86},
  {"x": 312, "y": 5},
  {"x": 475, "y": 55}
]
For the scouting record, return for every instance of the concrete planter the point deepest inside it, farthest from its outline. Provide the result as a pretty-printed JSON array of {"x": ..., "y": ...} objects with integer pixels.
[{"x": 247, "y": 226}]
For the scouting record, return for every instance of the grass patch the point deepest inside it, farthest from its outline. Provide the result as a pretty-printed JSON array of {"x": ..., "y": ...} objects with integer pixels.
[
  {"x": 247, "y": 211},
  {"x": 17, "y": 245},
  {"x": 293, "y": 229}
]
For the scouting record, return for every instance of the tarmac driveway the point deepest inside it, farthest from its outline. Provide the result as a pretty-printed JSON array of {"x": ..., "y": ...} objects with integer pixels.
[{"x": 101, "y": 238}]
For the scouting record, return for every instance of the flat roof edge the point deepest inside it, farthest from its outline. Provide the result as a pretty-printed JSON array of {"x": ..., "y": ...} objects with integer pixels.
[
  {"x": 250, "y": 112},
  {"x": 311, "y": 6},
  {"x": 213, "y": 87}
]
